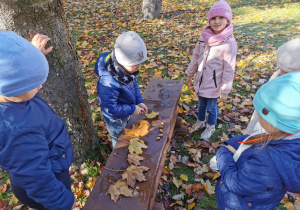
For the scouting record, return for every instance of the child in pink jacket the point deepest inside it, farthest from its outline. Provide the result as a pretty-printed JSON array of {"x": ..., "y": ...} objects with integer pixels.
[{"x": 214, "y": 63}]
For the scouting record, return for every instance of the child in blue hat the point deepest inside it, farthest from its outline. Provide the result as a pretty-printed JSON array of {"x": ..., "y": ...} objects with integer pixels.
[
  {"x": 257, "y": 171},
  {"x": 35, "y": 147},
  {"x": 117, "y": 88}
]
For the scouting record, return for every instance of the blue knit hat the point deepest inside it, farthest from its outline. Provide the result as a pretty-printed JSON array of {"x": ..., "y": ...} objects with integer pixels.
[
  {"x": 22, "y": 66},
  {"x": 278, "y": 102}
]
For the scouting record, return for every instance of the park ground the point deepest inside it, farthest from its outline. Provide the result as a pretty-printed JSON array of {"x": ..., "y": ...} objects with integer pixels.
[{"x": 260, "y": 27}]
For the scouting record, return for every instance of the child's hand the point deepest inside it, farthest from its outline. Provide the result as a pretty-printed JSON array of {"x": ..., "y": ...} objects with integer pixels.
[
  {"x": 138, "y": 110},
  {"x": 189, "y": 81},
  {"x": 223, "y": 97},
  {"x": 40, "y": 41},
  {"x": 144, "y": 107}
]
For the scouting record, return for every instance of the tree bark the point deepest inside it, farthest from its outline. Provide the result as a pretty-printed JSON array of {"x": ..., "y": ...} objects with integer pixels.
[
  {"x": 151, "y": 9},
  {"x": 64, "y": 89}
]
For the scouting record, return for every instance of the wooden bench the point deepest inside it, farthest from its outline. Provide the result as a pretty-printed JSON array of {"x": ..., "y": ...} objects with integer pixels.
[{"x": 160, "y": 96}]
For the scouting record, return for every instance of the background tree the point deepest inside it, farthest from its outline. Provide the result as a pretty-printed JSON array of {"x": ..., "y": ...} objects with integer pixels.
[
  {"x": 64, "y": 89},
  {"x": 151, "y": 9}
]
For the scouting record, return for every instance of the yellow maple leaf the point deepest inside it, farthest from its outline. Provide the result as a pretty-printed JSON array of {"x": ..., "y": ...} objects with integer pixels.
[
  {"x": 152, "y": 115},
  {"x": 136, "y": 146},
  {"x": 138, "y": 130}
]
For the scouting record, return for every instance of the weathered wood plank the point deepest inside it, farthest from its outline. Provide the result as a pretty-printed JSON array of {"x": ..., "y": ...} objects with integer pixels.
[{"x": 160, "y": 96}]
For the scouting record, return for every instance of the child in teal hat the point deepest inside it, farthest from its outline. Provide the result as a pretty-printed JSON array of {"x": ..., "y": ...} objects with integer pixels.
[
  {"x": 256, "y": 171},
  {"x": 35, "y": 147}
]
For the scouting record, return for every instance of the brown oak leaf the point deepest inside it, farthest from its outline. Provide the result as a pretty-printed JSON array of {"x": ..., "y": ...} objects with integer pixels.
[
  {"x": 119, "y": 188},
  {"x": 134, "y": 173},
  {"x": 134, "y": 159}
]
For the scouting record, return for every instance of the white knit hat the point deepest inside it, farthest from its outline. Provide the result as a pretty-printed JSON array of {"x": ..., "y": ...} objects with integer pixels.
[
  {"x": 288, "y": 56},
  {"x": 130, "y": 49}
]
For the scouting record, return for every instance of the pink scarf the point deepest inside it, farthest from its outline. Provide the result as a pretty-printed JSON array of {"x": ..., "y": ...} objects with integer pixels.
[{"x": 211, "y": 39}]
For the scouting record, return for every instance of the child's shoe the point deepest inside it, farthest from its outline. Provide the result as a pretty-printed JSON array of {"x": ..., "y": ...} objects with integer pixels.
[
  {"x": 198, "y": 125},
  {"x": 210, "y": 129}
]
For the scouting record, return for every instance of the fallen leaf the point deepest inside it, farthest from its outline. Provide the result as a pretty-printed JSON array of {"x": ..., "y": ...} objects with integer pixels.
[
  {"x": 4, "y": 205},
  {"x": 134, "y": 173},
  {"x": 134, "y": 159},
  {"x": 208, "y": 187},
  {"x": 191, "y": 206},
  {"x": 244, "y": 119},
  {"x": 184, "y": 177},
  {"x": 119, "y": 188},
  {"x": 152, "y": 115},
  {"x": 138, "y": 130},
  {"x": 136, "y": 146},
  {"x": 177, "y": 182},
  {"x": 178, "y": 197}
]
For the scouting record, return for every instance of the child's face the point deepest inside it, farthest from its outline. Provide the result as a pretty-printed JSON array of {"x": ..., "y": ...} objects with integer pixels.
[
  {"x": 24, "y": 96},
  {"x": 218, "y": 23},
  {"x": 132, "y": 69},
  {"x": 267, "y": 126}
]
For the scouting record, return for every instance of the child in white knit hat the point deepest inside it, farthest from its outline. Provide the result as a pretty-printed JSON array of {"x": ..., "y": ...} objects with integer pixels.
[
  {"x": 288, "y": 60},
  {"x": 213, "y": 62},
  {"x": 35, "y": 147},
  {"x": 117, "y": 88}
]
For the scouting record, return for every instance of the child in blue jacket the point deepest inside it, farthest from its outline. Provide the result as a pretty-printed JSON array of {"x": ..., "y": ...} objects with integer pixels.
[
  {"x": 117, "y": 88},
  {"x": 257, "y": 170},
  {"x": 35, "y": 147}
]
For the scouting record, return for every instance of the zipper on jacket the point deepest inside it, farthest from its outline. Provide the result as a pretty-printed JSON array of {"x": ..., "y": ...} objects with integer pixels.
[{"x": 215, "y": 80}]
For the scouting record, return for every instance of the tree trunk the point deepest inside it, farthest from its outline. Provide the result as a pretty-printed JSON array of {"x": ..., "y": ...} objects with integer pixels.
[
  {"x": 64, "y": 89},
  {"x": 151, "y": 9}
]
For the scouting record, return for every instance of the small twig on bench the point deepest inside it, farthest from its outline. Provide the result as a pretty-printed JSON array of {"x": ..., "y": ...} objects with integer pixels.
[
  {"x": 107, "y": 179},
  {"x": 109, "y": 169},
  {"x": 120, "y": 156}
]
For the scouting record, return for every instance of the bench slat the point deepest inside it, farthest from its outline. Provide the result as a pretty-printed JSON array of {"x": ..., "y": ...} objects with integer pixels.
[{"x": 160, "y": 96}]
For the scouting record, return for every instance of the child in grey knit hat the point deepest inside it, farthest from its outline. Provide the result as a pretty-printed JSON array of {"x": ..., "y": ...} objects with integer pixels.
[
  {"x": 117, "y": 88},
  {"x": 287, "y": 61}
]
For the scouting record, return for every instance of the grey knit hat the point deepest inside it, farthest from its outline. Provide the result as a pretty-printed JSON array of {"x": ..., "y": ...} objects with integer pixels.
[
  {"x": 288, "y": 56},
  {"x": 130, "y": 49}
]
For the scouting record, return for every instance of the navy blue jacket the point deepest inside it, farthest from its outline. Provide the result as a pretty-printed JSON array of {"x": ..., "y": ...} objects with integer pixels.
[
  {"x": 260, "y": 177},
  {"x": 35, "y": 144},
  {"x": 117, "y": 101}
]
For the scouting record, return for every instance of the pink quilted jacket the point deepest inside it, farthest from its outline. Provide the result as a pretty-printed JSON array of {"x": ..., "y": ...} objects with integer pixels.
[{"x": 214, "y": 66}]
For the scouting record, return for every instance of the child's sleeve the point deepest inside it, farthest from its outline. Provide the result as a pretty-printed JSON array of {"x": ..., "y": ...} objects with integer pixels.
[
  {"x": 254, "y": 176},
  {"x": 229, "y": 67},
  {"x": 31, "y": 170},
  {"x": 108, "y": 95},
  {"x": 138, "y": 95},
  {"x": 193, "y": 66}
]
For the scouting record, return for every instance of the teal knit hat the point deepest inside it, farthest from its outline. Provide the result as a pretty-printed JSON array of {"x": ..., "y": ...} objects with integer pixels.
[
  {"x": 278, "y": 102},
  {"x": 22, "y": 66}
]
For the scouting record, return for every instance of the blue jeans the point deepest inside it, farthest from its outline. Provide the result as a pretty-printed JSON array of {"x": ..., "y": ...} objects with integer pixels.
[
  {"x": 208, "y": 105},
  {"x": 21, "y": 194},
  {"x": 115, "y": 127}
]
